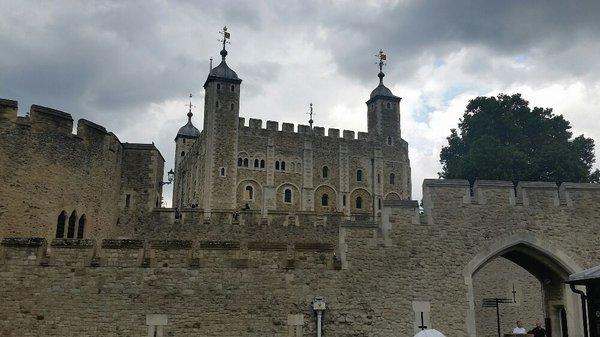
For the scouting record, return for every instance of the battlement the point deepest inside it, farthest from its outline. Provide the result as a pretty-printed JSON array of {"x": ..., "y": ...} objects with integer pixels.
[
  {"x": 302, "y": 129},
  {"x": 45, "y": 119},
  {"x": 454, "y": 193},
  {"x": 168, "y": 253}
]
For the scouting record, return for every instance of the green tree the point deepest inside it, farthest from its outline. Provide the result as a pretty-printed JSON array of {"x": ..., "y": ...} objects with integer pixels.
[{"x": 501, "y": 138}]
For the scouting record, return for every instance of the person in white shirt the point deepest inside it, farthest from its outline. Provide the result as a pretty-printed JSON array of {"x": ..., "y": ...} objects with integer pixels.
[{"x": 519, "y": 330}]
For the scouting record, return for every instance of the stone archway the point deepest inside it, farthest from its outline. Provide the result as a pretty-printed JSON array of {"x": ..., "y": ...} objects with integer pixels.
[{"x": 540, "y": 259}]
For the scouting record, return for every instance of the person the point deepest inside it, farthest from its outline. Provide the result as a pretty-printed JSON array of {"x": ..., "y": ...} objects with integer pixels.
[
  {"x": 538, "y": 331},
  {"x": 519, "y": 329}
]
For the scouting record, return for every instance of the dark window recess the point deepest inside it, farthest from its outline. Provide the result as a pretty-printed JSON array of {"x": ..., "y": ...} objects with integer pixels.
[
  {"x": 287, "y": 195},
  {"x": 60, "y": 225},
  {"x": 343, "y": 200},
  {"x": 128, "y": 200},
  {"x": 81, "y": 227},
  {"x": 262, "y": 163},
  {"x": 245, "y": 162},
  {"x": 222, "y": 171},
  {"x": 277, "y": 165},
  {"x": 71, "y": 228},
  {"x": 182, "y": 153},
  {"x": 256, "y": 163},
  {"x": 359, "y": 202},
  {"x": 240, "y": 160},
  {"x": 379, "y": 203},
  {"x": 232, "y": 88},
  {"x": 283, "y": 166},
  {"x": 392, "y": 179},
  {"x": 324, "y": 200},
  {"x": 325, "y": 171},
  {"x": 218, "y": 86},
  {"x": 359, "y": 175}
]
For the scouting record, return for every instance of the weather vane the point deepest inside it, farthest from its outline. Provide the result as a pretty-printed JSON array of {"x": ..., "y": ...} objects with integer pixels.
[
  {"x": 190, "y": 114},
  {"x": 311, "y": 113},
  {"x": 225, "y": 40},
  {"x": 382, "y": 57}
]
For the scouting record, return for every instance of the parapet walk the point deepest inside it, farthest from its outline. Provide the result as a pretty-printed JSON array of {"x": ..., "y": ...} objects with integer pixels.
[{"x": 128, "y": 253}]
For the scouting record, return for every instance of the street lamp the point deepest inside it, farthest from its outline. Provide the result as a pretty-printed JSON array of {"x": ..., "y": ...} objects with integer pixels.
[{"x": 170, "y": 178}]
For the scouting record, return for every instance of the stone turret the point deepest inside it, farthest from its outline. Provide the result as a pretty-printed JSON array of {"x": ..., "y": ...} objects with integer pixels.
[
  {"x": 185, "y": 139},
  {"x": 383, "y": 112},
  {"x": 221, "y": 119}
]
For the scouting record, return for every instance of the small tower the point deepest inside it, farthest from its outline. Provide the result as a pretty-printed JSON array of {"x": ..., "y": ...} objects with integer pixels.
[
  {"x": 383, "y": 111},
  {"x": 221, "y": 119},
  {"x": 185, "y": 139}
]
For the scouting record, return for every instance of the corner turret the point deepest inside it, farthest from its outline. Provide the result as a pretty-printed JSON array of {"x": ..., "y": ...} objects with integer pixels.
[{"x": 383, "y": 111}]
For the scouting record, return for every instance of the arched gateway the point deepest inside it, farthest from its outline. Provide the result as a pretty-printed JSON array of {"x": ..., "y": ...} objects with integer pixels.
[{"x": 547, "y": 263}]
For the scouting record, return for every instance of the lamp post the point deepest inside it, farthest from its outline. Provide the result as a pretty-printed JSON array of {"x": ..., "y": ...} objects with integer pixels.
[
  {"x": 319, "y": 306},
  {"x": 170, "y": 178}
]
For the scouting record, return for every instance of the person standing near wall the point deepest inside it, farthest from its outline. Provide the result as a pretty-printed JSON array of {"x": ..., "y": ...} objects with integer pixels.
[
  {"x": 519, "y": 329},
  {"x": 538, "y": 331}
]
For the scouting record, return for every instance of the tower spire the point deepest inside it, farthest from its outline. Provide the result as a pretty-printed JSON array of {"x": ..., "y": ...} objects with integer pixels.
[
  {"x": 382, "y": 57},
  {"x": 225, "y": 40}
]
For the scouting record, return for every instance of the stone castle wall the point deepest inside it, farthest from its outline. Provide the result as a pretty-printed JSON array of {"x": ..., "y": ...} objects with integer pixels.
[
  {"x": 46, "y": 169},
  {"x": 376, "y": 280}
]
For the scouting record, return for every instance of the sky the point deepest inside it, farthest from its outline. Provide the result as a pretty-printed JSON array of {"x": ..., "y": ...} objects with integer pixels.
[{"x": 131, "y": 65}]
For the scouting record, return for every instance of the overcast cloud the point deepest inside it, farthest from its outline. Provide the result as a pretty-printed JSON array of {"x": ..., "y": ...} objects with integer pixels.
[{"x": 130, "y": 65}]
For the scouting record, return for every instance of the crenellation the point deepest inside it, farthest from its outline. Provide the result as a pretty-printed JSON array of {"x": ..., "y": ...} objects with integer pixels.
[
  {"x": 333, "y": 133},
  {"x": 8, "y": 111},
  {"x": 287, "y": 127},
  {"x": 91, "y": 131},
  {"x": 319, "y": 131},
  {"x": 537, "y": 193},
  {"x": 272, "y": 125},
  {"x": 363, "y": 135},
  {"x": 494, "y": 192},
  {"x": 48, "y": 119},
  {"x": 241, "y": 122},
  {"x": 349, "y": 134},
  {"x": 577, "y": 194},
  {"x": 255, "y": 123},
  {"x": 303, "y": 129}
]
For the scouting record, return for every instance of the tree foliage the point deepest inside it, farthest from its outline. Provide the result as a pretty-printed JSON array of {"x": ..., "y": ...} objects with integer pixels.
[{"x": 501, "y": 138}]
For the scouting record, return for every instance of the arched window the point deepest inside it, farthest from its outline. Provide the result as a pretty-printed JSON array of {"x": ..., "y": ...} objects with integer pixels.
[
  {"x": 232, "y": 88},
  {"x": 282, "y": 165},
  {"x": 71, "y": 228},
  {"x": 378, "y": 178},
  {"x": 344, "y": 200},
  {"x": 256, "y": 163},
  {"x": 222, "y": 171},
  {"x": 183, "y": 139},
  {"x": 325, "y": 172},
  {"x": 299, "y": 167},
  {"x": 324, "y": 200},
  {"x": 389, "y": 140},
  {"x": 358, "y": 175},
  {"x": 249, "y": 193},
  {"x": 231, "y": 107},
  {"x": 218, "y": 86},
  {"x": 277, "y": 165},
  {"x": 60, "y": 225},
  {"x": 182, "y": 153},
  {"x": 358, "y": 202},
  {"x": 245, "y": 162},
  {"x": 81, "y": 227},
  {"x": 389, "y": 105},
  {"x": 379, "y": 203},
  {"x": 392, "y": 179},
  {"x": 287, "y": 195},
  {"x": 216, "y": 104},
  {"x": 262, "y": 163},
  {"x": 240, "y": 161}
]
